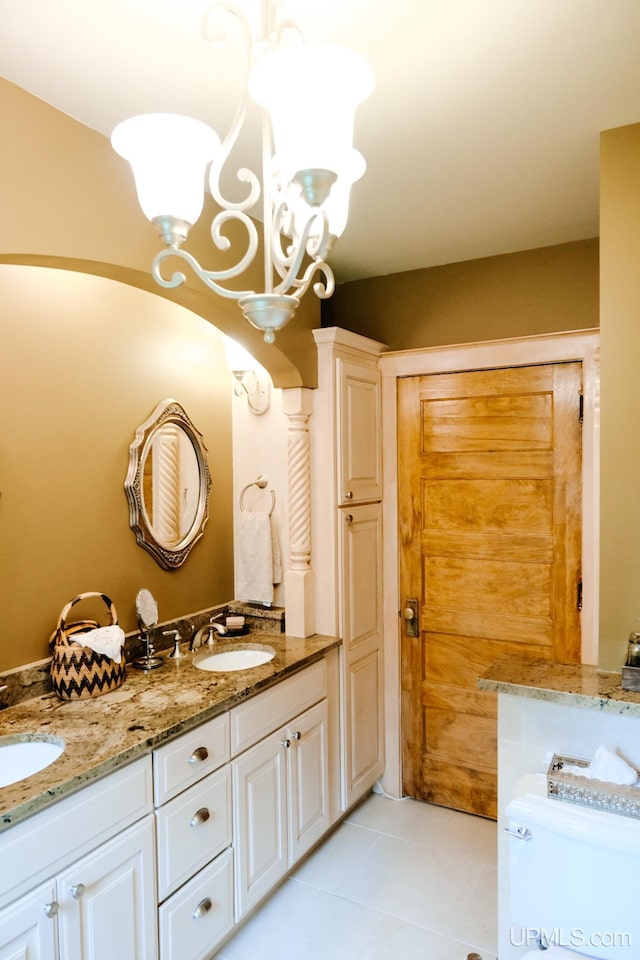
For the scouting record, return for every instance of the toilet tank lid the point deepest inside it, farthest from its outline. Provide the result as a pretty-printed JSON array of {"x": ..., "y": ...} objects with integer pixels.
[{"x": 591, "y": 826}]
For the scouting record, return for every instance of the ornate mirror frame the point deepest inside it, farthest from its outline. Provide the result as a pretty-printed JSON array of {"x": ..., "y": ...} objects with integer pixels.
[{"x": 173, "y": 554}]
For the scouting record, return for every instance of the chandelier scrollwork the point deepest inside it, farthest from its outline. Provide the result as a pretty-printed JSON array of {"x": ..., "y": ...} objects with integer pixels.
[{"x": 309, "y": 93}]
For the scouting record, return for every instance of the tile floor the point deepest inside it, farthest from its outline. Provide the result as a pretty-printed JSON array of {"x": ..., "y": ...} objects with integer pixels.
[{"x": 398, "y": 878}]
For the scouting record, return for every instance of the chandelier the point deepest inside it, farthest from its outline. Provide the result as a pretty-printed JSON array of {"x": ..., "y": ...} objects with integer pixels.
[{"x": 309, "y": 93}]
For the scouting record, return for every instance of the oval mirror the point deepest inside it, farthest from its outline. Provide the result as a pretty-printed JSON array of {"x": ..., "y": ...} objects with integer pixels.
[{"x": 168, "y": 485}]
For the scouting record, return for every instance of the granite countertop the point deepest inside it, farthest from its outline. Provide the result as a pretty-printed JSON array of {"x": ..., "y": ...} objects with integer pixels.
[
  {"x": 104, "y": 733},
  {"x": 573, "y": 684}
]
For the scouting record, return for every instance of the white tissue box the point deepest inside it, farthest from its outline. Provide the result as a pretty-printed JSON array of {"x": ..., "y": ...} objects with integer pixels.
[{"x": 611, "y": 797}]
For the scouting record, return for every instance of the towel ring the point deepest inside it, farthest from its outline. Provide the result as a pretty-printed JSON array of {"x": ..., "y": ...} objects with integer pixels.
[{"x": 261, "y": 483}]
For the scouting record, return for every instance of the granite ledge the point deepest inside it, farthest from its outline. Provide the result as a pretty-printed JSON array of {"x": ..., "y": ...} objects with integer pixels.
[
  {"x": 572, "y": 684},
  {"x": 107, "y": 732}
]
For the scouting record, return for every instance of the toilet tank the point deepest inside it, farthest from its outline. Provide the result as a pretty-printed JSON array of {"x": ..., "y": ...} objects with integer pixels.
[{"x": 575, "y": 877}]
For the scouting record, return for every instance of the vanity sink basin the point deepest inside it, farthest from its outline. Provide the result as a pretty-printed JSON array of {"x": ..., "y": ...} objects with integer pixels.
[
  {"x": 238, "y": 657},
  {"x": 21, "y": 758}
]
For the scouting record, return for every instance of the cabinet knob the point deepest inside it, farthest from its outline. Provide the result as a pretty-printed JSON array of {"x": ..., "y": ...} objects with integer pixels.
[
  {"x": 77, "y": 890},
  {"x": 51, "y": 909},
  {"x": 286, "y": 743},
  {"x": 199, "y": 817},
  {"x": 202, "y": 909},
  {"x": 296, "y": 735},
  {"x": 349, "y": 518},
  {"x": 199, "y": 755},
  {"x": 348, "y": 495}
]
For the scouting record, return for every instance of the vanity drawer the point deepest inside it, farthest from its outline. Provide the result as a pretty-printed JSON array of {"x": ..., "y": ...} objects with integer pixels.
[
  {"x": 260, "y": 716},
  {"x": 187, "y": 759},
  {"x": 196, "y": 918},
  {"x": 192, "y": 829}
]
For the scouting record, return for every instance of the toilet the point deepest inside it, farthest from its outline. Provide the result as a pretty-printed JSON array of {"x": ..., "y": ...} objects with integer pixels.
[{"x": 573, "y": 880}]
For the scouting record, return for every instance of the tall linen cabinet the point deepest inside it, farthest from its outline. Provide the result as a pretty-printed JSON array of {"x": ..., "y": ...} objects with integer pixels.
[{"x": 347, "y": 542}]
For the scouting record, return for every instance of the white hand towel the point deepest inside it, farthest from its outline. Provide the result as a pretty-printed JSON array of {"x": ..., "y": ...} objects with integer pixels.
[
  {"x": 610, "y": 767},
  {"x": 105, "y": 640},
  {"x": 275, "y": 552},
  {"x": 255, "y": 559}
]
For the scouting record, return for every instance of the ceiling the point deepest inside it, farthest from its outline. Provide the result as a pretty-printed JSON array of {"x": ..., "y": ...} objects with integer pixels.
[{"x": 481, "y": 136}]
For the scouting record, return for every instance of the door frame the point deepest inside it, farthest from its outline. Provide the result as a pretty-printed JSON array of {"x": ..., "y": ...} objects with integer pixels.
[{"x": 583, "y": 346}]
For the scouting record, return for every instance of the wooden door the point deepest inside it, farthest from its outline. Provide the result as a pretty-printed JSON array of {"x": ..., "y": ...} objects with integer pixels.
[{"x": 490, "y": 506}]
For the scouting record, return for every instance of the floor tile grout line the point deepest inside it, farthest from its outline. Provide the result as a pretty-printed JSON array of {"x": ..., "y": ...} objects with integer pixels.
[
  {"x": 388, "y": 916},
  {"x": 431, "y": 846}
]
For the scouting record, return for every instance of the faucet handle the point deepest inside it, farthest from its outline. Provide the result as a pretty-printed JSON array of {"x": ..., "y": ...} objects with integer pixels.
[{"x": 177, "y": 652}]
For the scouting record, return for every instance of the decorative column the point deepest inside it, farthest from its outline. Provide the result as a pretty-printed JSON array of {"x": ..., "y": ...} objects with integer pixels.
[{"x": 297, "y": 404}]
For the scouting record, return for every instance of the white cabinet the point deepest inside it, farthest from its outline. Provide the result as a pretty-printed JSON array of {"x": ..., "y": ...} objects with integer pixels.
[
  {"x": 281, "y": 787},
  {"x": 105, "y": 900},
  {"x": 360, "y": 544},
  {"x": 26, "y": 931},
  {"x": 359, "y": 448},
  {"x": 192, "y": 782},
  {"x": 90, "y": 907},
  {"x": 348, "y": 554},
  {"x": 200, "y": 914}
]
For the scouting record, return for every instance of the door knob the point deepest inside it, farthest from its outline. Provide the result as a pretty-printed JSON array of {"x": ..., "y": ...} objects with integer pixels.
[{"x": 411, "y": 614}]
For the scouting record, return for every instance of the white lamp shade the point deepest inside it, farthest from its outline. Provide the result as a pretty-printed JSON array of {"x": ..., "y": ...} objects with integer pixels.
[
  {"x": 311, "y": 92},
  {"x": 237, "y": 357},
  {"x": 168, "y": 154}
]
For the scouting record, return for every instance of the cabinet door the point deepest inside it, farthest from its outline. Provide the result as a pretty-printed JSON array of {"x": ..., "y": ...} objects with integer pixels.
[
  {"x": 360, "y": 552},
  {"x": 260, "y": 820},
  {"x": 107, "y": 900},
  {"x": 359, "y": 440},
  {"x": 308, "y": 779},
  {"x": 26, "y": 932},
  {"x": 364, "y": 754}
]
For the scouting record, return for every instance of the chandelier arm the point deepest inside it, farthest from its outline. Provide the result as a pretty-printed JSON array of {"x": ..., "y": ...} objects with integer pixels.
[
  {"x": 282, "y": 28},
  {"x": 223, "y": 243},
  {"x": 208, "y": 277},
  {"x": 323, "y": 289},
  {"x": 305, "y": 244},
  {"x": 244, "y": 175}
]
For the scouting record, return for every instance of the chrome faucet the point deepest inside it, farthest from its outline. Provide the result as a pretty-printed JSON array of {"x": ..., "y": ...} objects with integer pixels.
[{"x": 209, "y": 628}]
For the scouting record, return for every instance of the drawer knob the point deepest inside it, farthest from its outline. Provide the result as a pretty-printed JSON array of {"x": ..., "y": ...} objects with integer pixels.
[
  {"x": 200, "y": 816},
  {"x": 348, "y": 495},
  {"x": 77, "y": 890},
  {"x": 51, "y": 909},
  {"x": 202, "y": 909},
  {"x": 199, "y": 755}
]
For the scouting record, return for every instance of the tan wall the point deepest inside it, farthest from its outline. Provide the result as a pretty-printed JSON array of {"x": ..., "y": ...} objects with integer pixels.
[
  {"x": 84, "y": 361},
  {"x": 547, "y": 290},
  {"x": 620, "y": 346}
]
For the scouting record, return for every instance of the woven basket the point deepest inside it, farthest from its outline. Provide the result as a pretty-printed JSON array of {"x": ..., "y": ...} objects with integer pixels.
[{"x": 77, "y": 672}]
